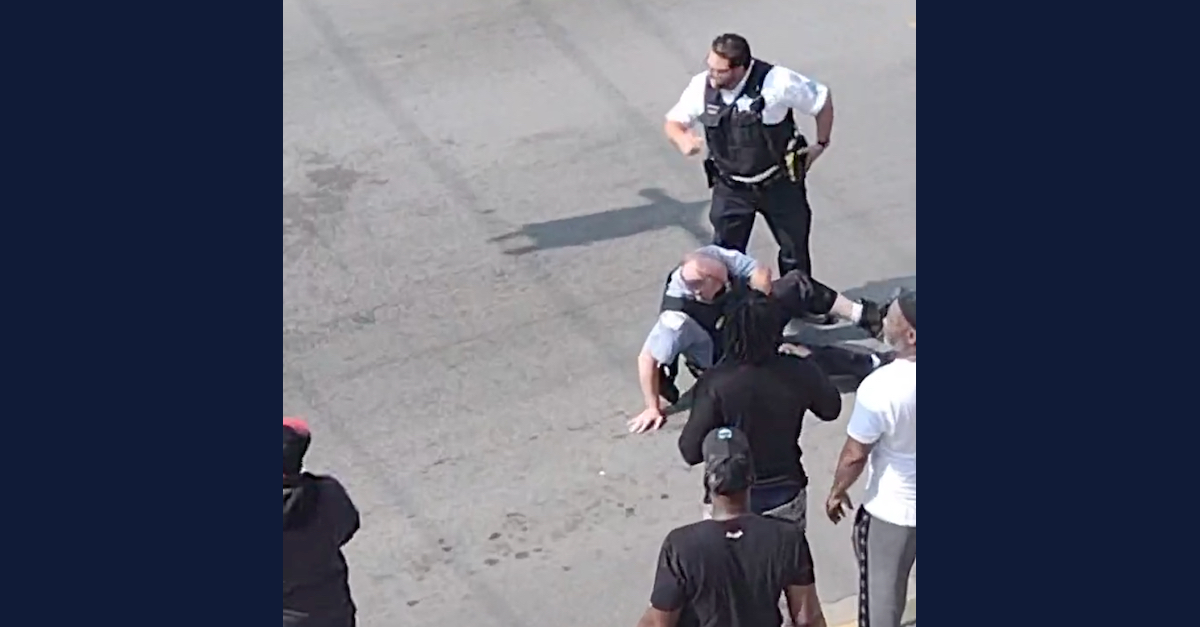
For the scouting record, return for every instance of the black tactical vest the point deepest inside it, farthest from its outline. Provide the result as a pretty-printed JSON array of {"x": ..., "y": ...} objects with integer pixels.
[
  {"x": 739, "y": 144},
  {"x": 710, "y": 316}
]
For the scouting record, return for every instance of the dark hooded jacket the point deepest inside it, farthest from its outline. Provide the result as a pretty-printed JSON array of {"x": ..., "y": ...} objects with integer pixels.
[{"x": 318, "y": 520}]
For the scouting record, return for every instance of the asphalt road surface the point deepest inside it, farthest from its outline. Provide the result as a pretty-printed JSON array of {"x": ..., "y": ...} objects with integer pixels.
[{"x": 479, "y": 210}]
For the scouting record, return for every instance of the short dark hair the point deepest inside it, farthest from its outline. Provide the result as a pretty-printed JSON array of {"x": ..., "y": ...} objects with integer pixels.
[{"x": 734, "y": 48}]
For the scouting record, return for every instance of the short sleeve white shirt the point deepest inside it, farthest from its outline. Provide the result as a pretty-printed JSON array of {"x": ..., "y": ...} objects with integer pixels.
[
  {"x": 782, "y": 89},
  {"x": 885, "y": 414}
]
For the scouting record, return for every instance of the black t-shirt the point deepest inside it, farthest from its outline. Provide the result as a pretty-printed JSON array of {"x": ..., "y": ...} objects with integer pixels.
[
  {"x": 767, "y": 402},
  {"x": 731, "y": 573}
]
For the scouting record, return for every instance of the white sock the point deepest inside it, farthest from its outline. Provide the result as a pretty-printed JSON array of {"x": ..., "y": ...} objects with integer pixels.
[{"x": 856, "y": 313}]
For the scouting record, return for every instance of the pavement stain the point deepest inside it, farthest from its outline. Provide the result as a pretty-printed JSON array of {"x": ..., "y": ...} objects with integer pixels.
[{"x": 314, "y": 217}]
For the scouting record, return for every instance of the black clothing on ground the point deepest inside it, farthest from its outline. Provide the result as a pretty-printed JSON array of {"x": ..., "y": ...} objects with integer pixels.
[
  {"x": 767, "y": 402},
  {"x": 730, "y": 573},
  {"x": 318, "y": 520},
  {"x": 741, "y": 146}
]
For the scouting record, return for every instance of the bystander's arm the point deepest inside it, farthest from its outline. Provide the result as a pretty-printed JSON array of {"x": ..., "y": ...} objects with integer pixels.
[
  {"x": 667, "y": 597},
  {"x": 826, "y": 399},
  {"x": 804, "y": 607},
  {"x": 865, "y": 427},
  {"x": 851, "y": 462},
  {"x": 706, "y": 415}
]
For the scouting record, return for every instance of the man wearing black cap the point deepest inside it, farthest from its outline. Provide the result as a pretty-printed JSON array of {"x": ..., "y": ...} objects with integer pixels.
[
  {"x": 882, "y": 437},
  {"x": 318, "y": 520},
  {"x": 730, "y": 571}
]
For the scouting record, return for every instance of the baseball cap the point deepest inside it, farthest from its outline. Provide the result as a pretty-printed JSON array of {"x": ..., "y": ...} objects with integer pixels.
[
  {"x": 728, "y": 466},
  {"x": 296, "y": 438},
  {"x": 906, "y": 302}
]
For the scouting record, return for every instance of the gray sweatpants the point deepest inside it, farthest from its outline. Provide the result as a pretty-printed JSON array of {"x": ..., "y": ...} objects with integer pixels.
[{"x": 886, "y": 554}]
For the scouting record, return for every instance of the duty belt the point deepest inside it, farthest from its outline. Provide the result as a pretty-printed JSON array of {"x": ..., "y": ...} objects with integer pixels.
[
  {"x": 793, "y": 167},
  {"x": 758, "y": 181}
]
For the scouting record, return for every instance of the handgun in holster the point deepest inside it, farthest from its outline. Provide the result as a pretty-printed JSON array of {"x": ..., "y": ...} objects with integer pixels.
[
  {"x": 710, "y": 172},
  {"x": 796, "y": 159}
]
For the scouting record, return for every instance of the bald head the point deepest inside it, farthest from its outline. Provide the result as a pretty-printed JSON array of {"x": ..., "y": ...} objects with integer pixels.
[{"x": 703, "y": 274}]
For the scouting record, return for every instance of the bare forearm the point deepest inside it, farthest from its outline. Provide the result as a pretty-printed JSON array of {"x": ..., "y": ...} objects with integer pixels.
[
  {"x": 648, "y": 378},
  {"x": 676, "y": 132},
  {"x": 760, "y": 279},
  {"x": 849, "y": 469},
  {"x": 816, "y": 621},
  {"x": 824, "y": 119},
  {"x": 805, "y": 608}
]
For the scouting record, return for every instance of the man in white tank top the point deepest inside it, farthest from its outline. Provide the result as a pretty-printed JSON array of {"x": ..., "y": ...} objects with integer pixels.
[{"x": 882, "y": 439}]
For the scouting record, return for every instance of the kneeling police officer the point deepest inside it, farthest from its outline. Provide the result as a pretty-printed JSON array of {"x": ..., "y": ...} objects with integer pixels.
[{"x": 698, "y": 293}]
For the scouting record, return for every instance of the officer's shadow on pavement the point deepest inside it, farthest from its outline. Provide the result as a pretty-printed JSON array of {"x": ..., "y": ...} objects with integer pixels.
[
  {"x": 845, "y": 335},
  {"x": 659, "y": 212}
]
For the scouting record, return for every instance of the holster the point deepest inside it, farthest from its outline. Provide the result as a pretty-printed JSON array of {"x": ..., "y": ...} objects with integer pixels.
[
  {"x": 710, "y": 172},
  {"x": 795, "y": 160},
  {"x": 670, "y": 371}
]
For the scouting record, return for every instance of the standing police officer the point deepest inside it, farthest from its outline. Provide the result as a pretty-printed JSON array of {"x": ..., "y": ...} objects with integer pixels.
[{"x": 757, "y": 157}]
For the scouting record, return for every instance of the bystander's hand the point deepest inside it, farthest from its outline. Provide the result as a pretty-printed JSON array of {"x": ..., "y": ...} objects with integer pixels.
[
  {"x": 794, "y": 349},
  {"x": 834, "y": 506},
  {"x": 650, "y": 419}
]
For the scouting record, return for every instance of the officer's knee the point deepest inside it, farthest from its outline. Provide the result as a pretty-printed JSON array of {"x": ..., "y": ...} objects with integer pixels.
[{"x": 801, "y": 294}]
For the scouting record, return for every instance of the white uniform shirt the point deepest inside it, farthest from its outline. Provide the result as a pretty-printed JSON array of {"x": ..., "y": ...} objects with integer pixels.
[
  {"x": 885, "y": 414},
  {"x": 782, "y": 89}
]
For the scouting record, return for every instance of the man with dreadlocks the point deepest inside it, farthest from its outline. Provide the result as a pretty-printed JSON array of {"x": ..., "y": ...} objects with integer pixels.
[
  {"x": 764, "y": 393},
  {"x": 699, "y": 292}
]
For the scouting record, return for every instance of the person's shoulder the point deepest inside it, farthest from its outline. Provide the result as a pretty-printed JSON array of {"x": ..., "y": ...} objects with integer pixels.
[
  {"x": 327, "y": 486},
  {"x": 673, "y": 320},
  {"x": 695, "y": 86},
  {"x": 686, "y": 535},
  {"x": 885, "y": 381},
  {"x": 896, "y": 372}
]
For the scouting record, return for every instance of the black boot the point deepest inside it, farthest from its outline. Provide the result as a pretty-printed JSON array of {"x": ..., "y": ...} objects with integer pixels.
[{"x": 872, "y": 318}]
